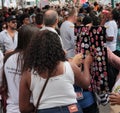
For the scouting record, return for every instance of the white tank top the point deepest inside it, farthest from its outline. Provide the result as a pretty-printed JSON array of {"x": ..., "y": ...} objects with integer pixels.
[{"x": 58, "y": 92}]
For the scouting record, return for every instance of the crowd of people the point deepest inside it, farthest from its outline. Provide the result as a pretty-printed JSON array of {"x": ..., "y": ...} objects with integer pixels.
[{"x": 39, "y": 67}]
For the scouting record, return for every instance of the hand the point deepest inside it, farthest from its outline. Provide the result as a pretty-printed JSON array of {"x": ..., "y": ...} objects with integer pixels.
[
  {"x": 114, "y": 98},
  {"x": 104, "y": 17},
  {"x": 89, "y": 59},
  {"x": 77, "y": 59}
]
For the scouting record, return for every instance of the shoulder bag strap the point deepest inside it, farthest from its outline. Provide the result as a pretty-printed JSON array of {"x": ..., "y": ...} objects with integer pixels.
[{"x": 35, "y": 111}]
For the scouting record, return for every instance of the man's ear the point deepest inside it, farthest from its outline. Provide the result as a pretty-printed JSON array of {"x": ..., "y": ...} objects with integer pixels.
[{"x": 57, "y": 21}]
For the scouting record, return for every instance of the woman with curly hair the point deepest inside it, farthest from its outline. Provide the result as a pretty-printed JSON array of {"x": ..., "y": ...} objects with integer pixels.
[{"x": 45, "y": 59}]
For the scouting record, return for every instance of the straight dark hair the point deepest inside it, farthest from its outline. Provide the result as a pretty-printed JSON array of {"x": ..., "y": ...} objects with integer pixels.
[{"x": 25, "y": 34}]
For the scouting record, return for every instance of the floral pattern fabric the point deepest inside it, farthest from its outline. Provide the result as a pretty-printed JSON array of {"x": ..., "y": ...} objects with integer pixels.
[{"x": 93, "y": 40}]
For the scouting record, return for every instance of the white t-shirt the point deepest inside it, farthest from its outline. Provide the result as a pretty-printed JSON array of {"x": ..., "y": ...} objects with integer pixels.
[
  {"x": 59, "y": 90},
  {"x": 111, "y": 31},
  {"x": 13, "y": 76}
]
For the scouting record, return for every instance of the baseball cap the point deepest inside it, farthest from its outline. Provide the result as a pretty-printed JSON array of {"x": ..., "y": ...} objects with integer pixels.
[{"x": 10, "y": 18}]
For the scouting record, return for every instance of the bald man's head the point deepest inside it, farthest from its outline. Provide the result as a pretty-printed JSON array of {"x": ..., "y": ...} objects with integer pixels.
[{"x": 50, "y": 18}]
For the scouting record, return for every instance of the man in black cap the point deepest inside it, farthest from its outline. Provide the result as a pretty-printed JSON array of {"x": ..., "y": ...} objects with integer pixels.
[{"x": 9, "y": 37}]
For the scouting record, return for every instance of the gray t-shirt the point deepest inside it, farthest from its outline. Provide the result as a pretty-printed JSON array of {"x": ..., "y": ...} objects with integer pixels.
[{"x": 68, "y": 38}]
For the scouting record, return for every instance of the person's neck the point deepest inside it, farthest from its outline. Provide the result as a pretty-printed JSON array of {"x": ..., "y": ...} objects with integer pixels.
[
  {"x": 10, "y": 30},
  {"x": 52, "y": 26},
  {"x": 39, "y": 25},
  {"x": 70, "y": 20}
]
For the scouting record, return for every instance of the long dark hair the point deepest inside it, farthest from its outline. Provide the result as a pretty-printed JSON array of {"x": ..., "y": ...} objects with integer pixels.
[
  {"x": 44, "y": 52},
  {"x": 25, "y": 33}
]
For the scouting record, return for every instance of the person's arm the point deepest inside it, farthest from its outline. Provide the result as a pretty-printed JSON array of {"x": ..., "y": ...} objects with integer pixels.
[
  {"x": 103, "y": 19},
  {"x": 114, "y": 98},
  {"x": 113, "y": 59},
  {"x": 82, "y": 78},
  {"x": 77, "y": 59},
  {"x": 24, "y": 96},
  {"x": 1, "y": 66}
]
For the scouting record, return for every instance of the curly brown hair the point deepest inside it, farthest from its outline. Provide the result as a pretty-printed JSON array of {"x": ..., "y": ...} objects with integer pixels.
[{"x": 44, "y": 52}]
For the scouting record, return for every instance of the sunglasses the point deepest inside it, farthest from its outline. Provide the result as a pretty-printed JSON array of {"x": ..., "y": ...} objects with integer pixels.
[{"x": 14, "y": 21}]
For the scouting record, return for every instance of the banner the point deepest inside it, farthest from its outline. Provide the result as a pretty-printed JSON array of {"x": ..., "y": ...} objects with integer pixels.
[
  {"x": 7, "y": 3},
  {"x": 10, "y": 3}
]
